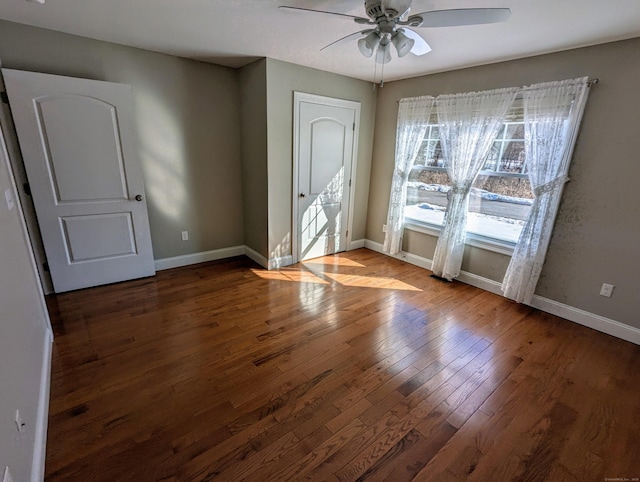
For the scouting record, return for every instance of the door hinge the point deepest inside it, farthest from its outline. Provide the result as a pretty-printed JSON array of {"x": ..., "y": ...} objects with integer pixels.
[
  {"x": 45, "y": 267},
  {"x": 4, "y": 97},
  {"x": 349, "y": 182},
  {"x": 354, "y": 127},
  {"x": 27, "y": 188},
  {"x": 347, "y": 235}
]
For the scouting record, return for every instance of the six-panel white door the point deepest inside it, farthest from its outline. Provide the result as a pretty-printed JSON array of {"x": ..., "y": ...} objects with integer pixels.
[
  {"x": 77, "y": 141},
  {"x": 325, "y": 152}
]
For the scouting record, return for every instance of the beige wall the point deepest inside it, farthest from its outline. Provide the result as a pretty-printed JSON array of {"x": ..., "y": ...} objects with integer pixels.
[
  {"x": 597, "y": 233},
  {"x": 23, "y": 334},
  {"x": 188, "y": 127},
  {"x": 282, "y": 80},
  {"x": 253, "y": 106},
  {"x": 205, "y": 159}
]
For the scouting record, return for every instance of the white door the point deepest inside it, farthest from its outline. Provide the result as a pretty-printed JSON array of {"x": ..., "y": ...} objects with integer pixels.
[
  {"x": 78, "y": 145},
  {"x": 325, "y": 150}
]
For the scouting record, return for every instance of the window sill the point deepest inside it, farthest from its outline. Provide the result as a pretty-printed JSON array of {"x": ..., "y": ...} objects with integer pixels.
[{"x": 476, "y": 240}]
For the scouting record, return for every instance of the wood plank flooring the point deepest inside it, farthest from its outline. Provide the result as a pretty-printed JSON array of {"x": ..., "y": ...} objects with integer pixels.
[{"x": 349, "y": 367}]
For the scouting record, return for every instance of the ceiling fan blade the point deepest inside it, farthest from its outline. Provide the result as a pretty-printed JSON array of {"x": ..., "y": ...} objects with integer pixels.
[
  {"x": 420, "y": 46},
  {"x": 299, "y": 9},
  {"x": 463, "y": 16},
  {"x": 345, "y": 39}
]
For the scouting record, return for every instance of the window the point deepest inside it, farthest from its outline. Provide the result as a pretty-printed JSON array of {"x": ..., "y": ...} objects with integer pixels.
[{"x": 500, "y": 198}]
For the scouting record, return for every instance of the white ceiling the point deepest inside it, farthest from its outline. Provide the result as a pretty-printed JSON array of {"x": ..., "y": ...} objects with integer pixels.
[{"x": 236, "y": 32}]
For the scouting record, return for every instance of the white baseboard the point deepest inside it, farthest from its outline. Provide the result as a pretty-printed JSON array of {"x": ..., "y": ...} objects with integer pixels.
[
  {"x": 255, "y": 256},
  {"x": 281, "y": 262},
  {"x": 40, "y": 445},
  {"x": 481, "y": 282},
  {"x": 357, "y": 244},
  {"x": 591, "y": 320},
  {"x": 373, "y": 246},
  {"x": 202, "y": 257}
]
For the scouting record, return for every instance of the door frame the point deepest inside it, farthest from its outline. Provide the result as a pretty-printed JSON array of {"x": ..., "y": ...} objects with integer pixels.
[
  {"x": 298, "y": 99},
  {"x": 20, "y": 177}
]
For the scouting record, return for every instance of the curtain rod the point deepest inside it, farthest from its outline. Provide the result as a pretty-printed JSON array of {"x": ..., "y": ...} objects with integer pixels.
[{"x": 590, "y": 83}]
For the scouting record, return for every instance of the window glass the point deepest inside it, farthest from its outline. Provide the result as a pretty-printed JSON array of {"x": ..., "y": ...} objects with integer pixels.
[
  {"x": 500, "y": 199},
  {"x": 427, "y": 198},
  {"x": 430, "y": 153}
]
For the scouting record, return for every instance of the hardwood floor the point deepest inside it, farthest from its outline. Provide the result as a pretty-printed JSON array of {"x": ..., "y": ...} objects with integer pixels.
[{"x": 353, "y": 367}]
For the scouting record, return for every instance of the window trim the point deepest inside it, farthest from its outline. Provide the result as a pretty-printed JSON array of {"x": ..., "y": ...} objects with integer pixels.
[
  {"x": 476, "y": 240},
  {"x": 504, "y": 140},
  {"x": 485, "y": 172},
  {"x": 481, "y": 173}
]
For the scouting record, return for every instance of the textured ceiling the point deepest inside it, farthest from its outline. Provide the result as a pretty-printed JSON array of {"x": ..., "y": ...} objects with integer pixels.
[{"x": 235, "y": 32}]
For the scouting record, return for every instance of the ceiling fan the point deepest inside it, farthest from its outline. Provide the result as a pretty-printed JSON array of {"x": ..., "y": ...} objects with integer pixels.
[{"x": 390, "y": 23}]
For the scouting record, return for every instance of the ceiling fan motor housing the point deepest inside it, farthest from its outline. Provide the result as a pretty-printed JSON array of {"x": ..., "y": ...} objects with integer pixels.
[{"x": 373, "y": 8}]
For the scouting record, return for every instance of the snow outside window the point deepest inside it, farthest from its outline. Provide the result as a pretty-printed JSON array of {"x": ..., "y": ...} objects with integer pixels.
[{"x": 500, "y": 198}]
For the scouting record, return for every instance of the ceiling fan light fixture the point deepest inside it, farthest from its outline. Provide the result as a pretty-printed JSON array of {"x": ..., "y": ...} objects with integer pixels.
[
  {"x": 402, "y": 43},
  {"x": 383, "y": 55},
  {"x": 368, "y": 44}
]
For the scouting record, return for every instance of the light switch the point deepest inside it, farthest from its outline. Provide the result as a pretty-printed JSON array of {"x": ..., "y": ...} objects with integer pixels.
[
  {"x": 9, "y": 198},
  {"x": 7, "y": 475}
]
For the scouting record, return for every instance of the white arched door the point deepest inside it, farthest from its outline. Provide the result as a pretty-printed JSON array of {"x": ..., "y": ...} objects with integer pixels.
[
  {"x": 325, "y": 145},
  {"x": 78, "y": 147}
]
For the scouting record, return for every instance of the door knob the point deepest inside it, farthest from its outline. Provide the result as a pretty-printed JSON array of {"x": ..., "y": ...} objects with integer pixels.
[
  {"x": 303, "y": 194},
  {"x": 138, "y": 197}
]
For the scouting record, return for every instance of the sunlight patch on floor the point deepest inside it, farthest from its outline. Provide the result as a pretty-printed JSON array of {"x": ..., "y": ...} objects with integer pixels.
[
  {"x": 334, "y": 261},
  {"x": 370, "y": 282},
  {"x": 297, "y": 276}
]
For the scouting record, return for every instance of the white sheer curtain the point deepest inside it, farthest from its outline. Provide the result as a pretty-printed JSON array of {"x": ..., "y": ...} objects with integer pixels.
[
  {"x": 552, "y": 114},
  {"x": 413, "y": 118},
  {"x": 469, "y": 123}
]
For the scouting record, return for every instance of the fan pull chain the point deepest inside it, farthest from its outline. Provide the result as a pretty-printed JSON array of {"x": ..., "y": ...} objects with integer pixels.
[{"x": 375, "y": 72}]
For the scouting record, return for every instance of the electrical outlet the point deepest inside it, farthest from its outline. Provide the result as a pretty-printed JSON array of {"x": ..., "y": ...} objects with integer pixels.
[
  {"x": 606, "y": 290},
  {"x": 7, "y": 475},
  {"x": 185, "y": 235},
  {"x": 384, "y": 228}
]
